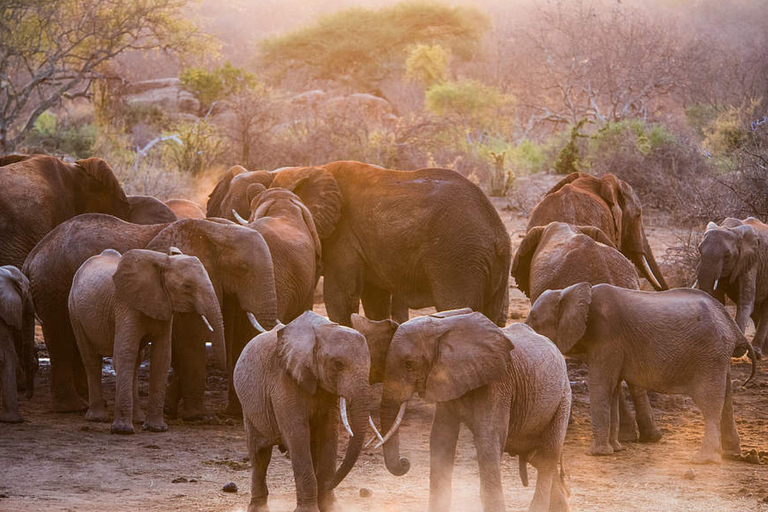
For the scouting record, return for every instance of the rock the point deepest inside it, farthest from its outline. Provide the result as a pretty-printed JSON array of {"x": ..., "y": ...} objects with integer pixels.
[
  {"x": 690, "y": 474},
  {"x": 230, "y": 487},
  {"x": 365, "y": 492},
  {"x": 180, "y": 480}
]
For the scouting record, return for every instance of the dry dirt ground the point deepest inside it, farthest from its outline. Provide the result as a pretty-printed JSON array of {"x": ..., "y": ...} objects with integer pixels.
[{"x": 60, "y": 462}]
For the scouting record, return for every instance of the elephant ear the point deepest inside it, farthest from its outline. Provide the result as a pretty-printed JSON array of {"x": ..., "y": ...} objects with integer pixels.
[
  {"x": 216, "y": 198},
  {"x": 596, "y": 234},
  {"x": 97, "y": 169},
  {"x": 12, "y": 298},
  {"x": 521, "y": 265},
  {"x": 139, "y": 282},
  {"x": 572, "y": 315},
  {"x": 472, "y": 352},
  {"x": 565, "y": 181},
  {"x": 296, "y": 348},
  {"x": 253, "y": 191},
  {"x": 319, "y": 191},
  {"x": 306, "y": 215},
  {"x": 749, "y": 248},
  {"x": 610, "y": 191}
]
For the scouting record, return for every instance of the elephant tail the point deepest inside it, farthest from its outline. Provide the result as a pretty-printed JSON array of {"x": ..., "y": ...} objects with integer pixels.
[
  {"x": 523, "y": 460},
  {"x": 751, "y": 353},
  {"x": 563, "y": 475}
]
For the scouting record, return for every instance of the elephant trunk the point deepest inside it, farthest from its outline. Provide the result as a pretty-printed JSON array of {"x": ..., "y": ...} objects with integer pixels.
[
  {"x": 396, "y": 465},
  {"x": 28, "y": 353},
  {"x": 709, "y": 275},
  {"x": 649, "y": 269},
  {"x": 211, "y": 313},
  {"x": 359, "y": 408},
  {"x": 265, "y": 310}
]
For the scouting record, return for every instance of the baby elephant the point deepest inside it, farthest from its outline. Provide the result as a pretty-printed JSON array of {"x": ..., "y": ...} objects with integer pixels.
[
  {"x": 118, "y": 304},
  {"x": 17, "y": 340},
  {"x": 676, "y": 341},
  {"x": 508, "y": 386},
  {"x": 293, "y": 383}
]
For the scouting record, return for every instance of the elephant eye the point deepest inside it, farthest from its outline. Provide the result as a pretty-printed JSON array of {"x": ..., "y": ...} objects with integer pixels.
[
  {"x": 338, "y": 365},
  {"x": 410, "y": 365}
]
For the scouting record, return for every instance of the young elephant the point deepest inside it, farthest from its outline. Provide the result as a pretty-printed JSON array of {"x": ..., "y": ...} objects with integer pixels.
[
  {"x": 289, "y": 381},
  {"x": 508, "y": 386},
  {"x": 17, "y": 340},
  {"x": 676, "y": 341},
  {"x": 118, "y": 304}
]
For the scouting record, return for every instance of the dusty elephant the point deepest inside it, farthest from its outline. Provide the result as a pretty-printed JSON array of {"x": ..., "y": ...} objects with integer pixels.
[
  {"x": 185, "y": 209},
  {"x": 734, "y": 263},
  {"x": 119, "y": 303},
  {"x": 293, "y": 383},
  {"x": 677, "y": 341},
  {"x": 288, "y": 228},
  {"x": 558, "y": 255},
  {"x": 149, "y": 210},
  {"x": 17, "y": 341},
  {"x": 235, "y": 191},
  {"x": 508, "y": 386},
  {"x": 609, "y": 204},
  {"x": 40, "y": 192}
]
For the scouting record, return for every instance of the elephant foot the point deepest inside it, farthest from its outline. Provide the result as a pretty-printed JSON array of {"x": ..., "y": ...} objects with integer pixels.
[
  {"x": 11, "y": 417},
  {"x": 195, "y": 414},
  {"x": 258, "y": 505},
  {"x": 628, "y": 435},
  {"x": 98, "y": 415},
  {"x": 122, "y": 427},
  {"x": 69, "y": 404},
  {"x": 155, "y": 426},
  {"x": 139, "y": 416},
  {"x": 307, "y": 508},
  {"x": 600, "y": 449},
  {"x": 707, "y": 457},
  {"x": 654, "y": 436},
  {"x": 327, "y": 503},
  {"x": 617, "y": 446}
]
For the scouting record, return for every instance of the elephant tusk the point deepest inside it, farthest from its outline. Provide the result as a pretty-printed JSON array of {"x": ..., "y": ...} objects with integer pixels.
[
  {"x": 395, "y": 426},
  {"x": 716, "y": 281},
  {"x": 255, "y": 323},
  {"x": 344, "y": 419},
  {"x": 651, "y": 277},
  {"x": 695, "y": 284},
  {"x": 207, "y": 323},
  {"x": 239, "y": 218},
  {"x": 174, "y": 251},
  {"x": 375, "y": 430}
]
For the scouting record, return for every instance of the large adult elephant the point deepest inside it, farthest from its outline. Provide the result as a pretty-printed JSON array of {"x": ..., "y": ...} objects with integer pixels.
[
  {"x": 609, "y": 204},
  {"x": 237, "y": 261},
  {"x": 149, "y": 210},
  {"x": 734, "y": 262},
  {"x": 40, "y": 192},
  {"x": 235, "y": 191},
  {"x": 428, "y": 237}
]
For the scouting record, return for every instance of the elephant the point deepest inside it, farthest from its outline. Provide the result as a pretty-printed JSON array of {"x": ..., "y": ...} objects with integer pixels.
[
  {"x": 149, "y": 210},
  {"x": 17, "y": 341},
  {"x": 185, "y": 209},
  {"x": 40, "y": 192},
  {"x": 509, "y": 386},
  {"x": 734, "y": 262},
  {"x": 676, "y": 341},
  {"x": 236, "y": 259},
  {"x": 609, "y": 204},
  {"x": 232, "y": 194},
  {"x": 557, "y": 255},
  {"x": 289, "y": 381},
  {"x": 288, "y": 228},
  {"x": 120, "y": 303},
  {"x": 425, "y": 237}
]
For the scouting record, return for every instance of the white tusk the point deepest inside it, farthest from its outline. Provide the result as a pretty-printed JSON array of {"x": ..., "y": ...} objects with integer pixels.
[
  {"x": 695, "y": 284},
  {"x": 650, "y": 274},
  {"x": 174, "y": 251},
  {"x": 207, "y": 323},
  {"x": 716, "y": 281},
  {"x": 239, "y": 218},
  {"x": 395, "y": 426},
  {"x": 375, "y": 430},
  {"x": 255, "y": 323},
  {"x": 344, "y": 419}
]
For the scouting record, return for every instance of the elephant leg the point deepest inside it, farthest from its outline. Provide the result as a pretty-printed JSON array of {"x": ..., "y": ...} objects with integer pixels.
[
  {"x": 377, "y": 302},
  {"x": 342, "y": 288},
  {"x": 400, "y": 312},
  {"x": 62, "y": 349},
  {"x": 761, "y": 334},
  {"x": 260, "y": 457},
  {"x": 241, "y": 334},
  {"x": 324, "y": 441},
  {"x": 649, "y": 432},
  {"x": 489, "y": 449},
  {"x": 615, "y": 420},
  {"x": 138, "y": 414},
  {"x": 159, "y": 364},
  {"x": 10, "y": 409},
  {"x": 710, "y": 399},
  {"x": 124, "y": 359},
  {"x": 602, "y": 391},
  {"x": 627, "y": 423},
  {"x": 730, "y": 442},
  {"x": 546, "y": 468},
  {"x": 442, "y": 451},
  {"x": 189, "y": 372},
  {"x": 558, "y": 498},
  {"x": 300, "y": 451},
  {"x": 97, "y": 407}
]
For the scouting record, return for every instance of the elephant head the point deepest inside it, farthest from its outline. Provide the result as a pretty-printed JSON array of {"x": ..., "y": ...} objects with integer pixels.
[
  {"x": 160, "y": 284},
  {"x": 561, "y": 315},
  {"x": 317, "y": 353},
  {"x": 235, "y": 190},
  {"x": 149, "y": 210},
  {"x": 18, "y": 313},
  {"x": 318, "y": 190},
  {"x": 442, "y": 357},
  {"x": 98, "y": 189},
  {"x": 726, "y": 253}
]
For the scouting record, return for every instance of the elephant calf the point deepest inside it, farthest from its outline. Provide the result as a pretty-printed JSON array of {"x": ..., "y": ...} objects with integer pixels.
[
  {"x": 119, "y": 303},
  {"x": 289, "y": 381},
  {"x": 509, "y": 386},
  {"x": 676, "y": 341}
]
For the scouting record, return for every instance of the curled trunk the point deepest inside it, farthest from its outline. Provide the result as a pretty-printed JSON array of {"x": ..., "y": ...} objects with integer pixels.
[
  {"x": 396, "y": 464},
  {"x": 359, "y": 409}
]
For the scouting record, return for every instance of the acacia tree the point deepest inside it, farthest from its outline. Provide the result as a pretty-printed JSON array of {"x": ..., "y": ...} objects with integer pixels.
[{"x": 55, "y": 49}]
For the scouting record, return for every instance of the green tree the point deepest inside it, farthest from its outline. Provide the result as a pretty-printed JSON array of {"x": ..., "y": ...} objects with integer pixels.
[
  {"x": 362, "y": 47},
  {"x": 52, "y": 49},
  {"x": 569, "y": 158},
  {"x": 427, "y": 64},
  {"x": 222, "y": 82},
  {"x": 471, "y": 103}
]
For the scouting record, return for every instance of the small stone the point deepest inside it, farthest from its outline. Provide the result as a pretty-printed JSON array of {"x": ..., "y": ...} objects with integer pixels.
[
  {"x": 690, "y": 474},
  {"x": 230, "y": 487},
  {"x": 365, "y": 492},
  {"x": 3, "y": 495},
  {"x": 192, "y": 481},
  {"x": 180, "y": 480}
]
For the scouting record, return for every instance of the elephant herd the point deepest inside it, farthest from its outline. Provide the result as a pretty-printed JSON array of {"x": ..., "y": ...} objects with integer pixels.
[{"x": 107, "y": 275}]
